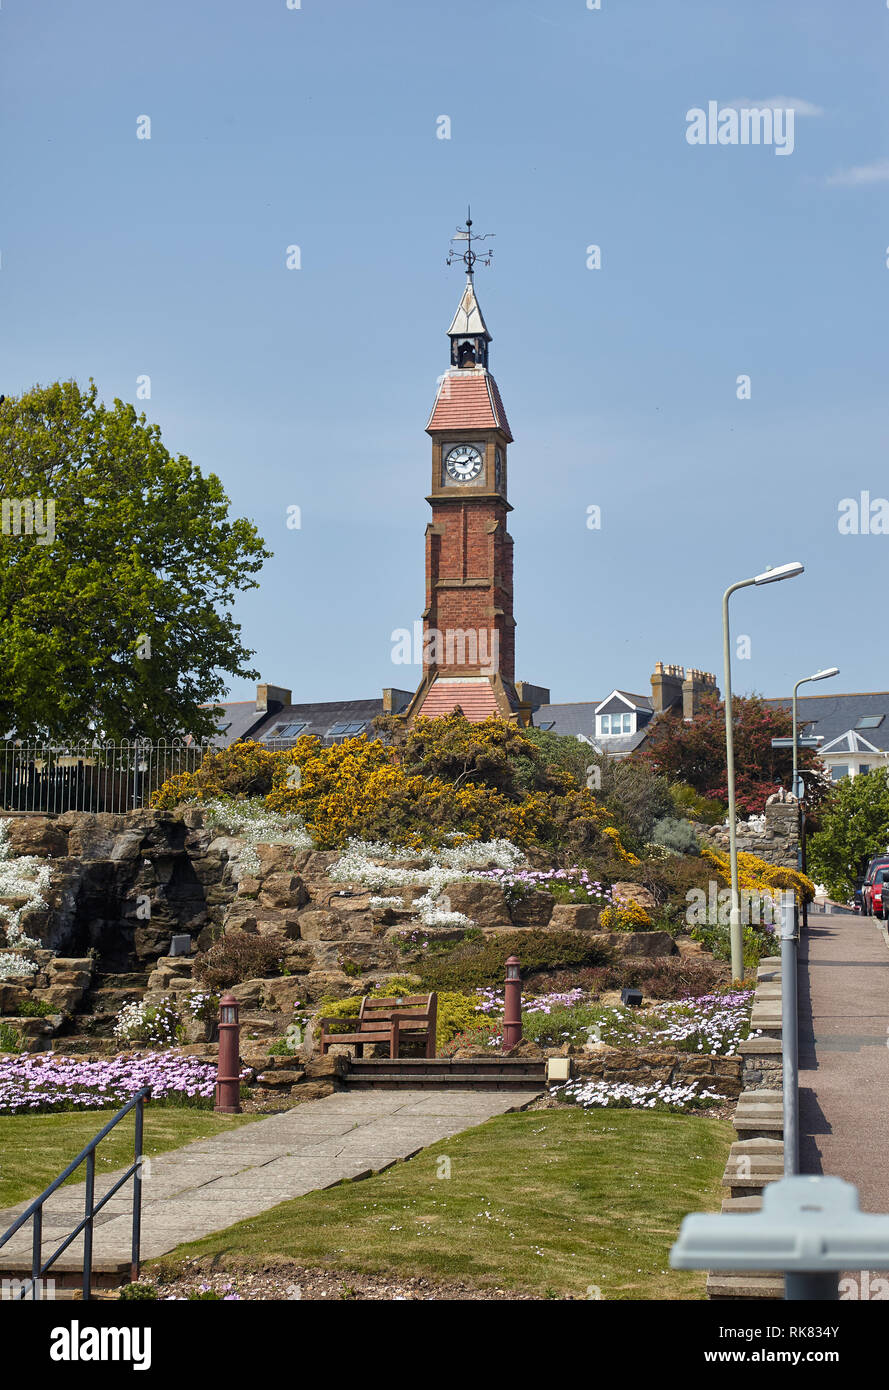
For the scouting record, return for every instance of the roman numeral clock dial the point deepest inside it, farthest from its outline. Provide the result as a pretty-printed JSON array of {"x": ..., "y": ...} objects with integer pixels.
[{"x": 463, "y": 463}]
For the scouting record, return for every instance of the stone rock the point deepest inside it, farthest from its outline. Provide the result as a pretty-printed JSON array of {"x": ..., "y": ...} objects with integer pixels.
[
  {"x": 250, "y": 993},
  {"x": 533, "y": 909},
  {"x": 484, "y": 903},
  {"x": 645, "y": 943},
  {"x": 199, "y": 1030},
  {"x": 284, "y": 890},
  {"x": 279, "y": 859},
  {"x": 574, "y": 916},
  {"x": 38, "y": 835},
  {"x": 277, "y": 1079},
  {"x": 636, "y": 893},
  {"x": 318, "y": 924},
  {"x": 63, "y": 999},
  {"x": 284, "y": 993},
  {"x": 11, "y": 996},
  {"x": 526, "y": 1048},
  {"x": 313, "y": 1090},
  {"x": 333, "y": 983}
]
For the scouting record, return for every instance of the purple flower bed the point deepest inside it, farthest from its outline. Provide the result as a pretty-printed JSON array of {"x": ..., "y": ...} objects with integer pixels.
[
  {"x": 38, "y": 1083},
  {"x": 567, "y": 885}
]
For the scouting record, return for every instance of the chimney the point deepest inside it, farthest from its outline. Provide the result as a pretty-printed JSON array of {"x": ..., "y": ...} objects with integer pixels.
[
  {"x": 533, "y": 695},
  {"x": 394, "y": 701},
  {"x": 696, "y": 685},
  {"x": 272, "y": 697},
  {"x": 666, "y": 687}
]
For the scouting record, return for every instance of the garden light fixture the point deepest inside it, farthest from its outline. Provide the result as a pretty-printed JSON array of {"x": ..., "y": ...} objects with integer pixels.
[
  {"x": 228, "y": 1078},
  {"x": 512, "y": 1004}
]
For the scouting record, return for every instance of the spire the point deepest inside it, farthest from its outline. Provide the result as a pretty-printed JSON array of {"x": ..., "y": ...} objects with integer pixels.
[{"x": 468, "y": 331}]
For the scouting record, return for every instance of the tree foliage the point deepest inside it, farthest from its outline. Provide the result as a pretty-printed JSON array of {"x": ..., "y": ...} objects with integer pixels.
[
  {"x": 854, "y": 821},
  {"x": 694, "y": 752},
  {"x": 116, "y": 623}
]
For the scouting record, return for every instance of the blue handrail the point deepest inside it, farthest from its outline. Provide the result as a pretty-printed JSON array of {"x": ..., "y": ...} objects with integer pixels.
[{"x": 35, "y": 1210}]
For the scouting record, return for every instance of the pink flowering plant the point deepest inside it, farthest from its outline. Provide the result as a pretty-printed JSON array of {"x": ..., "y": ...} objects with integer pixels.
[
  {"x": 45, "y": 1082},
  {"x": 573, "y": 885}
]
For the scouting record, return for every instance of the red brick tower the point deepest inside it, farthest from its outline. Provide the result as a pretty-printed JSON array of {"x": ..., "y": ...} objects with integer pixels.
[{"x": 468, "y": 623}]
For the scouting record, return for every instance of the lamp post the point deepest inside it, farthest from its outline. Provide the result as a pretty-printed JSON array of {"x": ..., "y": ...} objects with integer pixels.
[
  {"x": 769, "y": 576},
  {"x": 228, "y": 1072},
  {"x": 797, "y": 790},
  {"x": 512, "y": 1004}
]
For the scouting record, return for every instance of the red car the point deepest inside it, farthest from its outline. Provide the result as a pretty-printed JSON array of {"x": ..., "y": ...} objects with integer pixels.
[{"x": 872, "y": 897}]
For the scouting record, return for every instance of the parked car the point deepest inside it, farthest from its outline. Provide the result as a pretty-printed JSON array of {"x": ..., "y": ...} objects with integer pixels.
[{"x": 871, "y": 888}]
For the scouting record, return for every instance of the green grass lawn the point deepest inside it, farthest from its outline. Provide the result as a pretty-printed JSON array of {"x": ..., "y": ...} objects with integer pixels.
[
  {"x": 554, "y": 1201},
  {"x": 35, "y": 1148}
]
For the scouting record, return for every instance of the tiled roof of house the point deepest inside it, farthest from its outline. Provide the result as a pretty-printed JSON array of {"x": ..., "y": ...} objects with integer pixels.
[
  {"x": 468, "y": 398},
  {"x": 831, "y": 716},
  {"x": 346, "y": 717}
]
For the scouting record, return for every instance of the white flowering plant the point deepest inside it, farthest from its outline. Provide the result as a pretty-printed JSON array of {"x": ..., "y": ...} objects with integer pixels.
[
  {"x": 24, "y": 878},
  {"x": 250, "y": 820},
  {"x": 439, "y": 867}
]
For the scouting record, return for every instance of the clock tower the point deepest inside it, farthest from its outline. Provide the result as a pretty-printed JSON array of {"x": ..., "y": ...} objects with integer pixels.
[{"x": 468, "y": 623}]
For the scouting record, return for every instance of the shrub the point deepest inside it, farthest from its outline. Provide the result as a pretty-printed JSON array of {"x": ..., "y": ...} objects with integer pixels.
[
  {"x": 138, "y": 1291},
  {"x": 676, "y": 834},
  {"x": 242, "y": 770},
  {"x": 689, "y": 804},
  {"x": 35, "y": 1008},
  {"x": 666, "y": 978},
  {"x": 626, "y": 915},
  {"x": 9, "y": 1039},
  {"x": 237, "y": 957},
  {"x": 477, "y": 965},
  {"x": 758, "y": 942}
]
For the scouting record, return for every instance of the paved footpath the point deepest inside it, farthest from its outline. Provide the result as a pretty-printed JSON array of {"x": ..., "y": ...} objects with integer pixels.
[
  {"x": 212, "y": 1183},
  {"x": 844, "y": 1058}
]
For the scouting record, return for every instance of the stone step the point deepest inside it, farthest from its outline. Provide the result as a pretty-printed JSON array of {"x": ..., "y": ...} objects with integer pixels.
[
  {"x": 136, "y": 980},
  {"x": 742, "y": 1204},
  {"x": 761, "y": 1098},
  {"x": 751, "y": 1128},
  {"x": 109, "y": 999},
  {"x": 744, "y": 1285}
]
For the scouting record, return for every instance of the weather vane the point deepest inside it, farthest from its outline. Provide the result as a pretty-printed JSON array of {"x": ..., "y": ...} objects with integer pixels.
[{"x": 469, "y": 257}]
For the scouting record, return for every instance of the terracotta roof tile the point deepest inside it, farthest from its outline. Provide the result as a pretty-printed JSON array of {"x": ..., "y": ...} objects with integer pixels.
[
  {"x": 468, "y": 399},
  {"x": 475, "y": 698}
]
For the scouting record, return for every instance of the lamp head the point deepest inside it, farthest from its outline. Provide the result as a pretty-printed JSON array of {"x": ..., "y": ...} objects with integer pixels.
[
  {"x": 771, "y": 576},
  {"x": 823, "y": 675}
]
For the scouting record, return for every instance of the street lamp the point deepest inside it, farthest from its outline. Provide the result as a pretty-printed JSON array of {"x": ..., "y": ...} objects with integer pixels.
[
  {"x": 818, "y": 676},
  {"x": 769, "y": 576}
]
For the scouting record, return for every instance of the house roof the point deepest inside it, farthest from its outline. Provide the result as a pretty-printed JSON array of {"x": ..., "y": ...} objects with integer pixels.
[
  {"x": 468, "y": 398},
  {"x": 474, "y": 695},
  {"x": 833, "y": 716},
  {"x": 319, "y": 719}
]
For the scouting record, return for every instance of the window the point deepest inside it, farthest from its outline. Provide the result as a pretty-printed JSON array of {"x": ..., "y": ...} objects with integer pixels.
[
  {"x": 870, "y": 721},
  {"x": 615, "y": 724},
  {"x": 346, "y": 729},
  {"x": 550, "y": 725},
  {"x": 285, "y": 731},
  {"x": 838, "y": 772},
  {"x": 863, "y": 768}
]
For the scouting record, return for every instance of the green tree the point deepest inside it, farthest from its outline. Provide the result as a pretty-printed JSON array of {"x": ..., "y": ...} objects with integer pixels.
[
  {"x": 694, "y": 752},
  {"x": 113, "y": 621},
  {"x": 854, "y": 826}
]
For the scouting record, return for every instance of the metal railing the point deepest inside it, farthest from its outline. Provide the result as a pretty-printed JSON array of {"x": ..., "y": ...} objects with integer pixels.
[
  {"x": 34, "y": 1213},
  {"x": 91, "y": 776}
]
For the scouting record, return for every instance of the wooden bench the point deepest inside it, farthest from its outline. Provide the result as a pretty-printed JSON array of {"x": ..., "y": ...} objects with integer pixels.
[{"x": 411, "y": 1018}]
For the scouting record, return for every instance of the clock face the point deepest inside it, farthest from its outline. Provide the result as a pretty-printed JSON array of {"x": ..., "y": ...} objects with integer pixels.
[{"x": 463, "y": 463}]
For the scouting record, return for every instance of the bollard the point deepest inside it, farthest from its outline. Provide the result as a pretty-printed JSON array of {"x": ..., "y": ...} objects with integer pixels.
[
  {"x": 790, "y": 1031},
  {"x": 228, "y": 1075},
  {"x": 512, "y": 1005}
]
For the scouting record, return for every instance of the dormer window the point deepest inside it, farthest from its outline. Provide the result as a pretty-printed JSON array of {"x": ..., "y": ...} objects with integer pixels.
[{"x": 611, "y": 724}]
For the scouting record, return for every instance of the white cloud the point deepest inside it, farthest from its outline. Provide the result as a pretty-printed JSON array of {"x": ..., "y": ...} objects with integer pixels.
[
  {"x": 800, "y": 107},
  {"x": 861, "y": 175}
]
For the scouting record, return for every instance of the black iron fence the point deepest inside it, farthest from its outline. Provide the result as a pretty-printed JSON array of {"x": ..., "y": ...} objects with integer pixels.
[
  {"x": 90, "y": 776},
  {"x": 34, "y": 1213}
]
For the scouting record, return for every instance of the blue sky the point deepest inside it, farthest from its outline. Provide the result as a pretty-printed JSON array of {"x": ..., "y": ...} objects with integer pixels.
[{"x": 316, "y": 127}]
